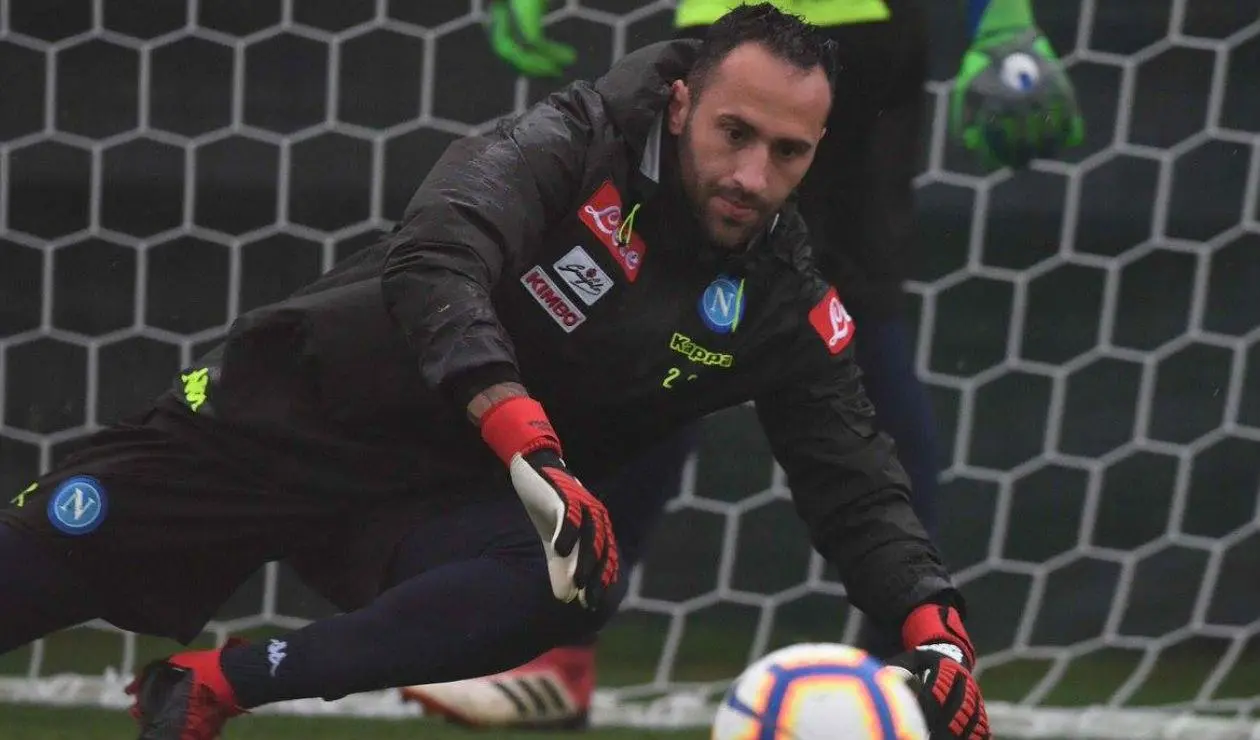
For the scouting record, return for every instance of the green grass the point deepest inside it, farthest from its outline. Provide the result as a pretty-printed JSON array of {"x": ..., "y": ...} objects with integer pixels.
[
  {"x": 45, "y": 723},
  {"x": 714, "y": 647}
]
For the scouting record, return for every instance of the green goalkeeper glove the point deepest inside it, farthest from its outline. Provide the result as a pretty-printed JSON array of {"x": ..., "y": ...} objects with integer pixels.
[
  {"x": 516, "y": 35},
  {"x": 1012, "y": 101}
]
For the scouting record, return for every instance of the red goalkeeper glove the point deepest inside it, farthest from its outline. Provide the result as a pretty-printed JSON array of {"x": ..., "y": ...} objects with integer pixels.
[
  {"x": 573, "y": 525},
  {"x": 940, "y": 657}
]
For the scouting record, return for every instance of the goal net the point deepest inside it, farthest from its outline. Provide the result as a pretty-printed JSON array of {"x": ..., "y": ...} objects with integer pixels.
[{"x": 1089, "y": 331}]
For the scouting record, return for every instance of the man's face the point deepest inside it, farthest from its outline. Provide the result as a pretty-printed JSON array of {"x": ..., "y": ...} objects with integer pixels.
[{"x": 747, "y": 140}]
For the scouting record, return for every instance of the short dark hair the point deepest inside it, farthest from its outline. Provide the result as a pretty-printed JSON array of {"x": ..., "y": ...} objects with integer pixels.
[{"x": 784, "y": 35}]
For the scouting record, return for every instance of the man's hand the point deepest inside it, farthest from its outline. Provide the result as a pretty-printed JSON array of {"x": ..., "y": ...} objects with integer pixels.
[
  {"x": 516, "y": 35},
  {"x": 1012, "y": 101},
  {"x": 939, "y": 660},
  {"x": 573, "y": 525}
]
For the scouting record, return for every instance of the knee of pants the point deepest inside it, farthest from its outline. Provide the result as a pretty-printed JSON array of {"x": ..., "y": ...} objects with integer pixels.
[
  {"x": 558, "y": 622},
  {"x": 552, "y": 623},
  {"x": 490, "y": 555}
]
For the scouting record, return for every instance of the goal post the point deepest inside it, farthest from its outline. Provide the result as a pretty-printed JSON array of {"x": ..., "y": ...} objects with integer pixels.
[{"x": 1089, "y": 331}]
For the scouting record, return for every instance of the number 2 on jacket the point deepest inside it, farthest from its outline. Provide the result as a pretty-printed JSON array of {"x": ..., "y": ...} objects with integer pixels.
[{"x": 672, "y": 375}]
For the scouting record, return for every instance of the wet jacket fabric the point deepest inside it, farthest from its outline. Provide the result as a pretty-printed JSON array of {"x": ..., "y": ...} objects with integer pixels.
[{"x": 559, "y": 251}]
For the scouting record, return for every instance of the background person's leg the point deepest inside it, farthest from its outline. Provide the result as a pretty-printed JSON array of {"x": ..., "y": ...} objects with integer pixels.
[
  {"x": 904, "y": 410},
  {"x": 637, "y": 497},
  {"x": 885, "y": 351},
  {"x": 859, "y": 202}
]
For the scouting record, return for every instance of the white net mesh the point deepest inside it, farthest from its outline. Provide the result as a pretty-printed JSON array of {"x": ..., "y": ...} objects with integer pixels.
[{"x": 1088, "y": 330}]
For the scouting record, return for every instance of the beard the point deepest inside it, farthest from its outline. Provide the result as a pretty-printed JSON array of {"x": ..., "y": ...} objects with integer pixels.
[{"x": 724, "y": 232}]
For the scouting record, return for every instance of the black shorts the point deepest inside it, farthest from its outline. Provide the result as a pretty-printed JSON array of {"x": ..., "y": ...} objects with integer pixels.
[
  {"x": 165, "y": 516},
  {"x": 858, "y": 198}
]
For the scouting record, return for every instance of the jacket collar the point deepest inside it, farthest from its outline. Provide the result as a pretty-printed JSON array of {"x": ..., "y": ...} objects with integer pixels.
[
  {"x": 650, "y": 160},
  {"x": 636, "y": 90}
]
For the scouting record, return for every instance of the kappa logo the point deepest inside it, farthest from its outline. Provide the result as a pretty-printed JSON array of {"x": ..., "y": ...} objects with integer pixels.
[
  {"x": 602, "y": 215},
  {"x": 276, "y": 653},
  {"x": 196, "y": 384},
  {"x": 832, "y": 322},
  {"x": 78, "y": 506},
  {"x": 20, "y": 500},
  {"x": 683, "y": 345},
  {"x": 550, "y": 298},
  {"x": 580, "y": 273}
]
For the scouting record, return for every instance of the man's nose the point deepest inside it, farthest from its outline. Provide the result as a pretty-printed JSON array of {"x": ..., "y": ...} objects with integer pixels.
[{"x": 751, "y": 170}]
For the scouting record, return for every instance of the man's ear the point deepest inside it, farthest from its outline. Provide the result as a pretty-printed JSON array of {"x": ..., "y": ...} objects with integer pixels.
[{"x": 679, "y": 106}]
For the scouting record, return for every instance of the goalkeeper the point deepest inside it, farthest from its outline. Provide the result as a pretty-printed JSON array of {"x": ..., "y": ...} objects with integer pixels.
[
  {"x": 1011, "y": 102},
  {"x": 407, "y": 430}
]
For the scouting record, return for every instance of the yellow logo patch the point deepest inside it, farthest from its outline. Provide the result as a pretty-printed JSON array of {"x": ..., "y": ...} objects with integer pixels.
[
  {"x": 195, "y": 385},
  {"x": 20, "y": 499}
]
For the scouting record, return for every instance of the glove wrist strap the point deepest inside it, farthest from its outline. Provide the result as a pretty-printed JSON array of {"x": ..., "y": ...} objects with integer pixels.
[
  {"x": 935, "y": 623},
  {"x": 518, "y": 425}
]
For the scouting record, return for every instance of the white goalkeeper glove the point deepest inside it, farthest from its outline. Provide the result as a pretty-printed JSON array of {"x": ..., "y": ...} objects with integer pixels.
[{"x": 572, "y": 523}]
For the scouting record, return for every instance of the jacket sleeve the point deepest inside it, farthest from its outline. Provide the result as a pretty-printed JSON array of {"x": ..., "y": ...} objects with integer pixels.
[
  {"x": 851, "y": 491},
  {"x": 482, "y": 210}
]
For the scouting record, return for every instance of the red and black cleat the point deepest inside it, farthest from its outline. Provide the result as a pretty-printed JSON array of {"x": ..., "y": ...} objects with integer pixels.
[{"x": 184, "y": 697}]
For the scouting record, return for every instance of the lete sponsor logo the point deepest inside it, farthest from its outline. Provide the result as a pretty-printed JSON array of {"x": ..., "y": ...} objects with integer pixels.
[
  {"x": 551, "y": 299},
  {"x": 832, "y": 322},
  {"x": 602, "y": 215},
  {"x": 580, "y": 272}
]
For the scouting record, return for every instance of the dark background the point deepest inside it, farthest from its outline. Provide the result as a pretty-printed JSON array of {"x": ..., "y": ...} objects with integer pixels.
[{"x": 1089, "y": 326}]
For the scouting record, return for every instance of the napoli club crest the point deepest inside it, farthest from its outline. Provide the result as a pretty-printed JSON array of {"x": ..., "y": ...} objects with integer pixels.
[{"x": 722, "y": 305}]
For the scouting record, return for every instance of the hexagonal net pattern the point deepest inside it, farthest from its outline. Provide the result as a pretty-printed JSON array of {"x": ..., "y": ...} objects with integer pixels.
[{"x": 1089, "y": 331}]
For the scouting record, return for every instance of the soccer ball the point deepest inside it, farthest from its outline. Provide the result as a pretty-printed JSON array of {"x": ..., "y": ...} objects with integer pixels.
[{"x": 817, "y": 691}]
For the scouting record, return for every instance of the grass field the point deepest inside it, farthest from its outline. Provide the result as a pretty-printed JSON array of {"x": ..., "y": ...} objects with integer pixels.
[
  {"x": 714, "y": 649},
  {"x": 43, "y": 723}
]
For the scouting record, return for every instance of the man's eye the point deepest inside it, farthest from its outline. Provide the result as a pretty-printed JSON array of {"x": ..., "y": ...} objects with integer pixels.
[
  {"x": 788, "y": 151},
  {"x": 735, "y": 134}
]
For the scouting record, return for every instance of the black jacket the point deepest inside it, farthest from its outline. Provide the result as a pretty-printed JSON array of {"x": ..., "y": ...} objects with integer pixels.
[{"x": 558, "y": 251}]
